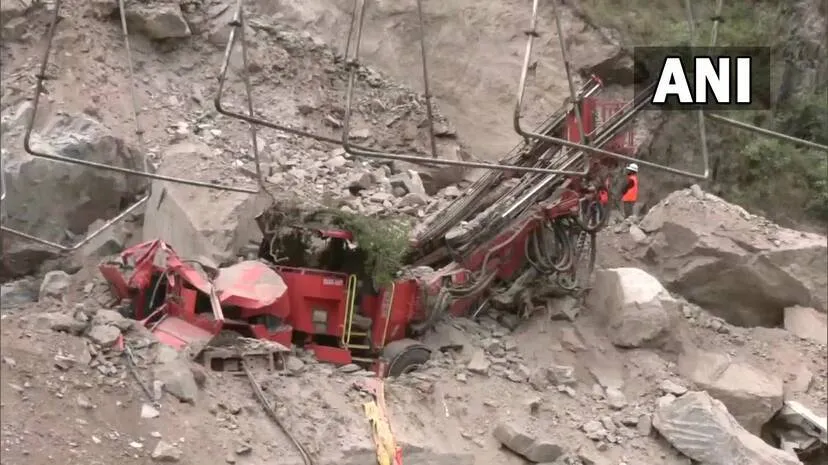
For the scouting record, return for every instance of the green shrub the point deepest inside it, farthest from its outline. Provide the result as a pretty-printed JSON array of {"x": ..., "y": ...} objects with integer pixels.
[{"x": 384, "y": 241}]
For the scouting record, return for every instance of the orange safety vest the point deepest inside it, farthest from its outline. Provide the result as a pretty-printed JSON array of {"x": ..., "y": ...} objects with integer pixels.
[
  {"x": 603, "y": 194},
  {"x": 632, "y": 194}
]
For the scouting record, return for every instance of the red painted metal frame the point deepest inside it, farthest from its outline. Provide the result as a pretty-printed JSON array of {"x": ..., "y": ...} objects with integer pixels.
[
  {"x": 504, "y": 254},
  {"x": 310, "y": 291}
]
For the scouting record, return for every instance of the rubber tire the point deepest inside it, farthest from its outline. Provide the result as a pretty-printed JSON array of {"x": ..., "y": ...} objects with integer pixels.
[{"x": 404, "y": 356}]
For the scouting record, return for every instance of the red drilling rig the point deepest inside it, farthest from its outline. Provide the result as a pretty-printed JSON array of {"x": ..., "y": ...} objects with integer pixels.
[{"x": 505, "y": 231}]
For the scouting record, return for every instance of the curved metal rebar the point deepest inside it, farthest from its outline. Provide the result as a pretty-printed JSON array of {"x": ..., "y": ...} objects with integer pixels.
[
  {"x": 39, "y": 88},
  {"x": 138, "y": 132},
  {"x": 355, "y": 37},
  {"x": 633, "y": 109}
]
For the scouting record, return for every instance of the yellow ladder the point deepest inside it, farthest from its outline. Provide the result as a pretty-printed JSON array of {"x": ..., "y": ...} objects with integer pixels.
[
  {"x": 350, "y": 300},
  {"x": 387, "y": 308}
]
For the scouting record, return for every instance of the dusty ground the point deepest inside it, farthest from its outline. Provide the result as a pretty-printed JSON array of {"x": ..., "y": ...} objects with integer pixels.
[{"x": 56, "y": 404}]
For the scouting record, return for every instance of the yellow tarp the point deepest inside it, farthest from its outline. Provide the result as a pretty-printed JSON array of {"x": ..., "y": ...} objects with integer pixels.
[{"x": 388, "y": 453}]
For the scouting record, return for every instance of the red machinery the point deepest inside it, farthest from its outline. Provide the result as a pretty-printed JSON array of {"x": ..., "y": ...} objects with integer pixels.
[{"x": 503, "y": 231}]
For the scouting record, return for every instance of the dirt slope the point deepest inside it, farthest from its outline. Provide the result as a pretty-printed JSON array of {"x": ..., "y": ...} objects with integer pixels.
[{"x": 475, "y": 51}]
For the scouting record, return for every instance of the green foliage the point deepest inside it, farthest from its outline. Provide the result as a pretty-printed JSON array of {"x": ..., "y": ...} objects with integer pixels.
[
  {"x": 648, "y": 23},
  {"x": 383, "y": 240},
  {"x": 779, "y": 177},
  {"x": 783, "y": 180}
]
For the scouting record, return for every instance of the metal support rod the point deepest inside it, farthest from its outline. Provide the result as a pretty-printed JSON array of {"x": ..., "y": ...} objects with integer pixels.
[
  {"x": 2, "y": 180},
  {"x": 248, "y": 89},
  {"x": 576, "y": 102},
  {"x": 237, "y": 34},
  {"x": 138, "y": 131},
  {"x": 429, "y": 109},
  {"x": 532, "y": 33},
  {"x": 357, "y": 16},
  {"x": 768, "y": 132},
  {"x": 352, "y": 65},
  {"x": 39, "y": 88},
  {"x": 220, "y": 107},
  {"x": 691, "y": 25}
]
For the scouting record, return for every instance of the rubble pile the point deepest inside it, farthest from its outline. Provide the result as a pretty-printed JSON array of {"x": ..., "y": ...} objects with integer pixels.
[{"x": 185, "y": 137}]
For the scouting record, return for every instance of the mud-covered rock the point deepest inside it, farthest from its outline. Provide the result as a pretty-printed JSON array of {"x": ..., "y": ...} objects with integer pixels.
[
  {"x": 807, "y": 323},
  {"x": 194, "y": 226},
  {"x": 54, "y": 285},
  {"x": 175, "y": 374}
]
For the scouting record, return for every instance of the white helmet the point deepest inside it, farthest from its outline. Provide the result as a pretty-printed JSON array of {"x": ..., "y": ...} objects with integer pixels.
[{"x": 633, "y": 167}]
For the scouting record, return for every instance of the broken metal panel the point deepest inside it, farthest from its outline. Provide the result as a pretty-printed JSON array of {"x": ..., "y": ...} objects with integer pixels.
[
  {"x": 178, "y": 334},
  {"x": 249, "y": 284},
  {"x": 799, "y": 430}
]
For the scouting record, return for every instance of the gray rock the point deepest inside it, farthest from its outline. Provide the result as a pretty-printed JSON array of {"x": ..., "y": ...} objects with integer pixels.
[
  {"x": 20, "y": 292},
  {"x": 670, "y": 387},
  {"x": 616, "y": 399},
  {"x": 166, "y": 453},
  {"x": 104, "y": 335},
  {"x": 294, "y": 364},
  {"x": 148, "y": 411},
  {"x": 715, "y": 254},
  {"x": 54, "y": 285},
  {"x": 807, "y": 323},
  {"x": 479, "y": 363},
  {"x": 534, "y": 449},
  {"x": 562, "y": 375},
  {"x": 15, "y": 9},
  {"x": 179, "y": 215},
  {"x": 61, "y": 322},
  {"x": 360, "y": 182},
  {"x": 76, "y": 195},
  {"x": 644, "y": 425},
  {"x": 639, "y": 311},
  {"x": 413, "y": 199},
  {"x": 637, "y": 234},
  {"x": 112, "y": 318},
  {"x": 175, "y": 374},
  {"x": 701, "y": 428},
  {"x": 751, "y": 395},
  {"x": 158, "y": 21},
  {"x": 410, "y": 181}
]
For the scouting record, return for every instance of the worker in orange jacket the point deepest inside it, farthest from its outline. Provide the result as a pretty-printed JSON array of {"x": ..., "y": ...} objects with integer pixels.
[{"x": 629, "y": 198}]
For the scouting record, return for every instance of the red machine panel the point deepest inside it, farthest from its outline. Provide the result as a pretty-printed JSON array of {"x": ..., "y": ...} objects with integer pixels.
[{"x": 317, "y": 299}]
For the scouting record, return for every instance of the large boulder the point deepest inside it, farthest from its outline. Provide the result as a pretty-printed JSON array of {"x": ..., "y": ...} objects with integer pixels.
[
  {"x": 199, "y": 222},
  {"x": 58, "y": 201},
  {"x": 701, "y": 428},
  {"x": 739, "y": 266},
  {"x": 639, "y": 311},
  {"x": 751, "y": 395}
]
